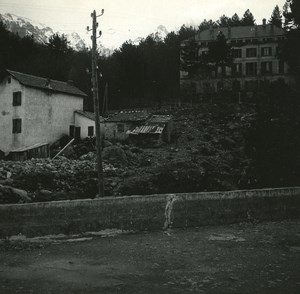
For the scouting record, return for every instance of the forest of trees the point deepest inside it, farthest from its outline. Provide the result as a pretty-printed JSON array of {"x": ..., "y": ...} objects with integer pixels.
[
  {"x": 148, "y": 74},
  {"x": 135, "y": 75}
]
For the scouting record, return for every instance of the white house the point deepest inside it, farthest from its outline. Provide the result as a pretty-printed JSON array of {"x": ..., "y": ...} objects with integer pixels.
[
  {"x": 35, "y": 110},
  {"x": 85, "y": 124}
]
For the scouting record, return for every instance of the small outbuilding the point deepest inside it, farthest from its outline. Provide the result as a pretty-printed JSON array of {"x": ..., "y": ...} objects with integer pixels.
[
  {"x": 118, "y": 125},
  {"x": 157, "y": 129}
]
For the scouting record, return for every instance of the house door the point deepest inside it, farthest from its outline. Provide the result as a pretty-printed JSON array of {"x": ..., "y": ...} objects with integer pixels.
[
  {"x": 71, "y": 131},
  {"x": 77, "y": 132}
]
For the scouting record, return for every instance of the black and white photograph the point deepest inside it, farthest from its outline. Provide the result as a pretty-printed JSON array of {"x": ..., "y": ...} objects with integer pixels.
[{"x": 150, "y": 146}]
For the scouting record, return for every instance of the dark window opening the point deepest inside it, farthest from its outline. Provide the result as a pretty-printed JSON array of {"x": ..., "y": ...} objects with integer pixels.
[
  {"x": 251, "y": 68},
  {"x": 9, "y": 80},
  {"x": 266, "y": 51},
  {"x": 236, "y": 86},
  {"x": 237, "y": 69},
  {"x": 17, "y": 98},
  {"x": 266, "y": 68},
  {"x": 17, "y": 126},
  {"x": 120, "y": 128},
  {"x": 219, "y": 86},
  {"x": 237, "y": 53},
  {"x": 72, "y": 131},
  {"x": 77, "y": 132},
  {"x": 91, "y": 131},
  {"x": 251, "y": 52},
  {"x": 251, "y": 86}
]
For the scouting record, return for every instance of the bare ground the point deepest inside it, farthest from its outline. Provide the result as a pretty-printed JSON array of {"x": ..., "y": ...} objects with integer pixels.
[{"x": 243, "y": 258}]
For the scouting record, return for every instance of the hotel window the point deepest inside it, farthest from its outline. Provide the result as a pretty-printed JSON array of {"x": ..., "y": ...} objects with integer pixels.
[
  {"x": 266, "y": 51},
  {"x": 90, "y": 131},
  {"x": 266, "y": 68},
  {"x": 17, "y": 98},
  {"x": 251, "y": 52},
  {"x": 236, "y": 69},
  {"x": 17, "y": 126},
  {"x": 251, "y": 68},
  {"x": 236, "y": 53}
]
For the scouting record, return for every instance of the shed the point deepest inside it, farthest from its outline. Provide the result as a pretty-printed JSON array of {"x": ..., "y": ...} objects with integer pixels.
[
  {"x": 163, "y": 120},
  {"x": 39, "y": 150},
  {"x": 157, "y": 128},
  {"x": 118, "y": 125}
]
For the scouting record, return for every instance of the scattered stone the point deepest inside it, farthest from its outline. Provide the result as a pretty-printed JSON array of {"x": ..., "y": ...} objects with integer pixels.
[
  {"x": 225, "y": 237},
  {"x": 12, "y": 195}
]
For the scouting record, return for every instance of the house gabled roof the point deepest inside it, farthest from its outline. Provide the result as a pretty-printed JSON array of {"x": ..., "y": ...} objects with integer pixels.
[
  {"x": 240, "y": 32},
  {"x": 46, "y": 84},
  {"x": 87, "y": 114},
  {"x": 129, "y": 116}
]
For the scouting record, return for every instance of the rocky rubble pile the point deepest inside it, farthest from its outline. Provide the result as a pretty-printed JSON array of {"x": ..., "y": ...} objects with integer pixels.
[
  {"x": 63, "y": 178},
  {"x": 207, "y": 154}
]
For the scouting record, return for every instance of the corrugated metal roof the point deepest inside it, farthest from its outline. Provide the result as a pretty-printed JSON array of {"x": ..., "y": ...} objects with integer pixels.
[
  {"x": 46, "y": 84},
  {"x": 147, "y": 130},
  {"x": 128, "y": 116},
  {"x": 240, "y": 32}
]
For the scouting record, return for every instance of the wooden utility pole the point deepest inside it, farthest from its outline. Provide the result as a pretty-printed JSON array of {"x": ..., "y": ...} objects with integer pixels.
[{"x": 96, "y": 102}]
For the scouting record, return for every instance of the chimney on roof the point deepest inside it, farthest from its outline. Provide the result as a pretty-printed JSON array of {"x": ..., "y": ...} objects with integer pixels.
[{"x": 264, "y": 21}]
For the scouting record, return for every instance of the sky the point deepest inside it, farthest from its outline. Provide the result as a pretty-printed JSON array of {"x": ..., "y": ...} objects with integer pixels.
[{"x": 130, "y": 19}]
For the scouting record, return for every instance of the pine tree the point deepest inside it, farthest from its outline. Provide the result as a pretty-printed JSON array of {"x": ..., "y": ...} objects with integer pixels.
[
  {"x": 206, "y": 24},
  {"x": 224, "y": 21},
  {"x": 219, "y": 52},
  {"x": 276, "y": 17},
  {"x": 235, "y": 20},
  {"x": 248, "y": 19}
]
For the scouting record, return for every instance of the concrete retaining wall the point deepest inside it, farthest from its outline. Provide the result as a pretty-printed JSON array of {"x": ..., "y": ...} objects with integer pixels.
[{"x": 153, "y": 212}]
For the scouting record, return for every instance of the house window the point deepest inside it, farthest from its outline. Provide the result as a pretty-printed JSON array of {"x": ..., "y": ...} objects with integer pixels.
[
  {"x": 120, "y": 128},
  {"x": 17, "y": 126},
  {"x": 251, "y": 52},
  {"x": 237, "y": 53},
  {"x": 17, "y": 98},
  {"x": 9, "y": 80},
  {"x": 219, "y": 86},
  {"x": 251, "y": 68},
  {"x": 266, "y": 68},
  {"x": 237, "y": 69},
  {"x": 91, "y": 131},
  {"x": 266, "y": 51}
]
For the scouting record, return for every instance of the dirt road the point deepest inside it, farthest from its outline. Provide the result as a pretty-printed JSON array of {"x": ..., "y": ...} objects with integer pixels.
[{"x": 245, "y": 258}]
